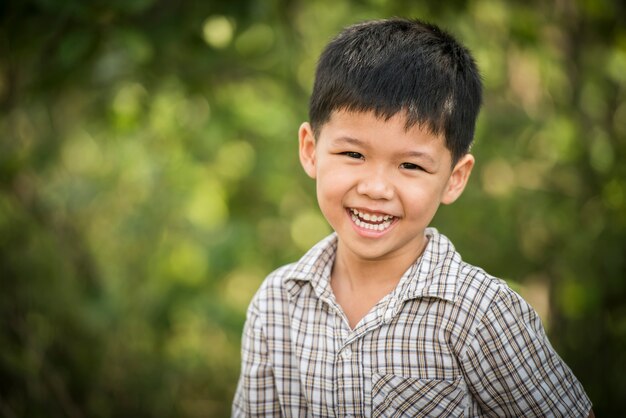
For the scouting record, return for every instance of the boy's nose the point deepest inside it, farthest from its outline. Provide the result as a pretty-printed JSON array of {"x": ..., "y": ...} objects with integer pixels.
[{"x": 375, "y": 186}]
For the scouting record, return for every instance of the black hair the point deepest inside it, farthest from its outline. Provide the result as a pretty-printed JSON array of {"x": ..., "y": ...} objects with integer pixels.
[{"x": 393, "y": 65}]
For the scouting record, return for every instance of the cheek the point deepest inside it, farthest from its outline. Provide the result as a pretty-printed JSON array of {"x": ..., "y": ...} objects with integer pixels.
[
  {"x": 330, "y": 187},
  {"x": 421, "y": 201}
]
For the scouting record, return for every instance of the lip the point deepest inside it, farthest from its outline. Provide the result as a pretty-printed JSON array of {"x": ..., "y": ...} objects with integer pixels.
[{"x": 367, "y": 232}]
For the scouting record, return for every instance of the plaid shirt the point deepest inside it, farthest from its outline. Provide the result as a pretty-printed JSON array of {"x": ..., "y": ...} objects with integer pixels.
[{"x": 449, "y": 340}]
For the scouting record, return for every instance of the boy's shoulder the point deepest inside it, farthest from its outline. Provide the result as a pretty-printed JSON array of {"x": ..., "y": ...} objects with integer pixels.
[
  {"x": 481, "y": 293},
  {"x": 465, "y": 299},
  {"x": 443, "y": 274},
  {"x": 287, "y": 281}
]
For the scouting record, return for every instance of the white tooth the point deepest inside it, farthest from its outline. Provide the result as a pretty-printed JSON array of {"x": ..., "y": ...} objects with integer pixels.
[{"x": 367, "y": 221}]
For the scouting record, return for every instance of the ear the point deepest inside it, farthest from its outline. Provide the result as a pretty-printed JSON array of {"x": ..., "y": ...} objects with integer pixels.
[
  {"x": 458, "y": 179},
  {"x": 306, "y": 140}
]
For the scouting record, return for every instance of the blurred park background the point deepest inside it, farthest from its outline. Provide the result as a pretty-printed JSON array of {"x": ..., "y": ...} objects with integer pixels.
[{"x": 149, "y": 181}]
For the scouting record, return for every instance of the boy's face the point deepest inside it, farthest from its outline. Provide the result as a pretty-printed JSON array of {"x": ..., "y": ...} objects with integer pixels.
[{"x": 378, "y": 184}]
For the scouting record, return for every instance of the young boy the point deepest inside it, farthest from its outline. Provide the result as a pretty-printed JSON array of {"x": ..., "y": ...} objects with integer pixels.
[{"x": 383, "y": 318}]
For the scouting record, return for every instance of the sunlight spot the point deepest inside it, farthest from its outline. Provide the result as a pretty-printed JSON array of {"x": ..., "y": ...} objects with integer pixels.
[
  {"x": 127, "y": 104},
  {"x": 573, "y": 298},
  {"x": 536, "y": 291},
  {"x": 188, "y": 263},
  {"x": 530, "y": 174},
  {"x": 235, "y": 160},
  {"x": 218, "y": 31},
  {"x": 535, "y": 239},
  {"x": 308, "y": 228},
  {"x": 525, "y": 79},
  {"x": 498, "y": 177},
  {"x": 616, "y": 65},
  {"x": 240, "y": 286},
  {"x": 81, "y": 154},
  {"x": 207, "y": 207}
]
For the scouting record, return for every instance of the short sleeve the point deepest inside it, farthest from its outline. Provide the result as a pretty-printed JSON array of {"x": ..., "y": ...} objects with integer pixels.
[
  {"x": 512, "y": 370},
  {"x": 256, "y": 390}
]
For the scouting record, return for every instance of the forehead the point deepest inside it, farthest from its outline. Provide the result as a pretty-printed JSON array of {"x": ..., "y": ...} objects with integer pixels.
[{"x": 367, "y": 126}]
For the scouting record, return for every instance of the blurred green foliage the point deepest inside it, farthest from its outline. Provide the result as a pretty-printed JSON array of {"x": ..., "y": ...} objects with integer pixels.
[{"x": 149, "y": 181}]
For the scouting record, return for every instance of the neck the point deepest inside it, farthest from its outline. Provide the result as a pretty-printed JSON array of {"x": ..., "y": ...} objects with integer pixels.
[{"x": 359, "y": 273}]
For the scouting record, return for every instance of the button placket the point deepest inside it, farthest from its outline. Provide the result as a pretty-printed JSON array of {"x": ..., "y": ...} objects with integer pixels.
[
  {"x": 348, "y": 376},
  {"x": 346, "y": 353},
  {"x": 390, "y": 310}
]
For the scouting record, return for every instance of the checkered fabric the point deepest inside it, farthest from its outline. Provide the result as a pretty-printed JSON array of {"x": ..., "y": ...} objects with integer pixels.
[{"x": 449, "y": 340}]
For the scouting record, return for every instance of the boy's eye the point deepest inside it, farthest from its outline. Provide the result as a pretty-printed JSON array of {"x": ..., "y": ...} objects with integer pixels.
[
  {"x": 353, "y": 154},
  {"x": 410, "y": 166}
]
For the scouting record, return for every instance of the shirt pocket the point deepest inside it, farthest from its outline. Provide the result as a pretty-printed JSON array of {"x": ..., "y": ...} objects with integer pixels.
[{"x": 398, "y": 396}]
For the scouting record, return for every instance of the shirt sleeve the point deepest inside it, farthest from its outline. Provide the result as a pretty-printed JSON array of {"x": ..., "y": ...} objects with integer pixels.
[
  {"x": 512, "y": 370},
  {"x": 256, "y": 390}
]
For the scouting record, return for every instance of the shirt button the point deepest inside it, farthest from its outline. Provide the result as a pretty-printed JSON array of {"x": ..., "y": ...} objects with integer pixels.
[{"x": 346, "y": 354}]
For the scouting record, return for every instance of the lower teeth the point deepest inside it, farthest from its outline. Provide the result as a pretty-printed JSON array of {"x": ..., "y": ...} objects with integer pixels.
[{"x": 373, "y": 227}]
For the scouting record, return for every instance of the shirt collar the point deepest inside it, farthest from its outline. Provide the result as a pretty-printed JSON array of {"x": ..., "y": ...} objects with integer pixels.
[
  {"x": 433, "y": 274},
  {"x": 315, "y": 266}
]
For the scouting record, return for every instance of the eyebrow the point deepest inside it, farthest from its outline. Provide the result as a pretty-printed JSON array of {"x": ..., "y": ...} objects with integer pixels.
[
  {"x": 349, "y": 140},
  {"x": 418, "y": 154},
  {"x": 408, "y": 154}
]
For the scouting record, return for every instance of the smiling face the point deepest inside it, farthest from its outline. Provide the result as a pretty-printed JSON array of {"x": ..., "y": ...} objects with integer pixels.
[{"x": 378, "y": 184}]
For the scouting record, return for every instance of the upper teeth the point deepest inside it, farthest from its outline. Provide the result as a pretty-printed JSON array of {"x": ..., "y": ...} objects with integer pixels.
[{"x": 371, "y": 217}]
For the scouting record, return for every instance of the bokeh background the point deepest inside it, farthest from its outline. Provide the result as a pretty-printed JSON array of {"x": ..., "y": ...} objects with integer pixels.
[{"x": 149, "y": 181}]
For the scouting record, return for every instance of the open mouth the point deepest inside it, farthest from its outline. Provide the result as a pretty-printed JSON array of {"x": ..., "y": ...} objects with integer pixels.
[{"x": 371, "y": 221}]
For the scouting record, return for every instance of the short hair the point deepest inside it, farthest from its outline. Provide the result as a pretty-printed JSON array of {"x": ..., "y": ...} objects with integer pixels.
[{"x": 393, "y": 65}]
